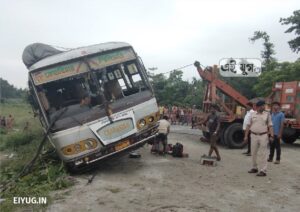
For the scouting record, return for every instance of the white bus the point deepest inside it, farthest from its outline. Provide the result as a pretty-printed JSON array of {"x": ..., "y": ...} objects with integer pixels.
[{"x": 95, "y": 102}]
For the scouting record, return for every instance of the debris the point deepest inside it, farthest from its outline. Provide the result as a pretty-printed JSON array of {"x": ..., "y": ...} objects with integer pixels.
[
  {"x": 91, "y": 178},
  {"x": 134, "y": 155},
  {"x": 208, "y": 160}
]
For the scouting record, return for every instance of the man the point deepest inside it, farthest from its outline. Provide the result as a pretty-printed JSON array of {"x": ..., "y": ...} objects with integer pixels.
[
  {"x": 194, "y": 116},
  {"x": 9, "y": 122},
  {"x": 278, "y": 123},
  {"x": 260, "y": 126},
  {"x": 213, "y": 125},
  {"x": 161, "y": 111},
  {"x": 250, "y": 110},
  {"x": 85, "y": 100},
  {"x": 163, "y": 130}
]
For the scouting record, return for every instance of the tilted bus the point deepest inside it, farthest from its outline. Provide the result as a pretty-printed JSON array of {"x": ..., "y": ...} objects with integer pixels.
[{"x": 119, "y": 115}]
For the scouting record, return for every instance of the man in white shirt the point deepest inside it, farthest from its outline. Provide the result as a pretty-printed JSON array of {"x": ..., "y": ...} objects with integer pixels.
[
  {"x": 163, "y": 130},
  {"x": 247, "y": 117}
]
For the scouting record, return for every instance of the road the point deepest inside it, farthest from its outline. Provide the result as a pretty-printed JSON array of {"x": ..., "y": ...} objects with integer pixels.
[{"x": 157, "y": 183}]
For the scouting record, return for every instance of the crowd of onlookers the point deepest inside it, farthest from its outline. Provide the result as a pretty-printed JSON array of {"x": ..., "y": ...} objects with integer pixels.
[{"x": 179, "y": 115}]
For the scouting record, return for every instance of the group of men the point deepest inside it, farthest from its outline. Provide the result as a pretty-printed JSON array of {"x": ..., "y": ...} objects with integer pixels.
[
  {"x": 264, "y": 128},
  {"x": 261, "y": 128}
]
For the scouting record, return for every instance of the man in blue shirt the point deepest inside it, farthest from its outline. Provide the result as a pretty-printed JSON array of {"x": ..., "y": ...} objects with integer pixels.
[{"x": 278, "y": 123}]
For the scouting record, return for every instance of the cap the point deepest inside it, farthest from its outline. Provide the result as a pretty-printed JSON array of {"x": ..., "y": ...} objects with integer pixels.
[{"x": 260, "y": 103}]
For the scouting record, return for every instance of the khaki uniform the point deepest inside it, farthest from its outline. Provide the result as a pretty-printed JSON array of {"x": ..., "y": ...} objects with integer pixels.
[{"x": 259, "y": 127}]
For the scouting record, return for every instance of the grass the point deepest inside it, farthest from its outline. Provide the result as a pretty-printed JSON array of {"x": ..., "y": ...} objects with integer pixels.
[{"x": 48, "y": 173}]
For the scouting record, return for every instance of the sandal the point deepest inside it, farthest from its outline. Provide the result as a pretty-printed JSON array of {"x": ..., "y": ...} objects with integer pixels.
[
  {"x": 261, "y": 174},
  {"x": 253, "y": 171}
]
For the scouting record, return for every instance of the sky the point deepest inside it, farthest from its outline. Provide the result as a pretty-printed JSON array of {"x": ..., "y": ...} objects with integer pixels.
[{"x": 167, "y": 34}]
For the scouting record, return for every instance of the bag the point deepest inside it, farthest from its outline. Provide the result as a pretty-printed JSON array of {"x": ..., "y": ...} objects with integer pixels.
[{"x": 177, "y": 150}]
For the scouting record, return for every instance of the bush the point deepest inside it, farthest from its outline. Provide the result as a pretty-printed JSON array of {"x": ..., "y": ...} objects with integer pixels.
[{"x": 15, "y": 140}]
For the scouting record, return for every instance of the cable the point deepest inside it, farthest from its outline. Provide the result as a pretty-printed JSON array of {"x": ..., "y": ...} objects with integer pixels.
[{"x": 182, "y": 67}]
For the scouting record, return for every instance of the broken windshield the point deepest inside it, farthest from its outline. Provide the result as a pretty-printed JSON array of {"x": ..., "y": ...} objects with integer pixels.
[{"x": 84, "y": 92}]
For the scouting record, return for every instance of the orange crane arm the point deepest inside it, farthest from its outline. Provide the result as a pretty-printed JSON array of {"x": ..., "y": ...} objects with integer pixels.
[{"x": 221, "y": 85}]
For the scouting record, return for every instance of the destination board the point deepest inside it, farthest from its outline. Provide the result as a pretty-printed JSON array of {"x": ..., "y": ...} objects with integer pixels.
[{"x": 70, "y": 69}]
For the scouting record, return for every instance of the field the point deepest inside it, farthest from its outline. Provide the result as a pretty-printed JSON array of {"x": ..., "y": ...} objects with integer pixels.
[{"x": 17, "y": 148}]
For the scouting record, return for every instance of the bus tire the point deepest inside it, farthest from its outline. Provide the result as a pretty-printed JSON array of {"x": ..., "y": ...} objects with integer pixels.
[{"x": 234, "y": 136}]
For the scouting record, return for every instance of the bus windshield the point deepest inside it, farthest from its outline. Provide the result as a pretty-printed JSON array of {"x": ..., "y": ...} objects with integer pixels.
[{"x": 89, "y": 90}]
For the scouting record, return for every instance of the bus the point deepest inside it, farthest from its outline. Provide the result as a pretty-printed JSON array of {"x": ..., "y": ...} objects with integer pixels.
[{"x": 94, "y": 102}]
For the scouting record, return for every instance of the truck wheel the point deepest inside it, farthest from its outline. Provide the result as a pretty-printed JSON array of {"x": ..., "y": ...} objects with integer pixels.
[
  {"x": 222, "y": 136},
  {"x": 234, "y": 136},
  {"x": 289, "y": 135}
]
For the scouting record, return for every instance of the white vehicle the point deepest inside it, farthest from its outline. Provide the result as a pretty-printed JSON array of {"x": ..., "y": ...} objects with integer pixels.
[{"x": 94, "y": 101}]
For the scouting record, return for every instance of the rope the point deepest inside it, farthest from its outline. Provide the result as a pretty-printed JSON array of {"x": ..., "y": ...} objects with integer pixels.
[{"x": 182, "y": 67}]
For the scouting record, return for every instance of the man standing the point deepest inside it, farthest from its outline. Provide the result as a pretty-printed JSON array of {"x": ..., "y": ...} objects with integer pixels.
[
  {"x": 277, "y": 120},
  {"x": 260, "y": 126},
  {"x": 213, "y": 125},
  {"x": 246, "y": 121},
  {"x": 163, "y": 130},
  {"x": 194, "y": 116}
]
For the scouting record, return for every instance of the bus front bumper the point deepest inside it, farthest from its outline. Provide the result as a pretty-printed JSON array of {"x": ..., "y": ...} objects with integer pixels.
[{"x": 86, "y": 162}]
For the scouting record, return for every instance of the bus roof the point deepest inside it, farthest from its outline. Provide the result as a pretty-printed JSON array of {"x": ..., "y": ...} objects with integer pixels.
[{"x": 77, "y": 53}]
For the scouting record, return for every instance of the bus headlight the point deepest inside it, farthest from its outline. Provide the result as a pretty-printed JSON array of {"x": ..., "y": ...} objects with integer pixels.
[
  {"x": 150, "y": 119},
  {"x": 80, "y": 146},
  {"x": 142, "y": 123}
]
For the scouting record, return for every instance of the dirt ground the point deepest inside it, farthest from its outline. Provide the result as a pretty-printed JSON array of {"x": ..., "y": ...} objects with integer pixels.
[{"x": 158, "y": 183}]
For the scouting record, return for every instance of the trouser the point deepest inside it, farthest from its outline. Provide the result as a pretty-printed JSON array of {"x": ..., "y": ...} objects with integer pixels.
[
  {"x": 275, "y": 145},
  {"x": 249, "y": 144},
  {"x": 213, "y": 145},
  {"x": 163, "y": 139},
  {"x": 259, "y": 147}
]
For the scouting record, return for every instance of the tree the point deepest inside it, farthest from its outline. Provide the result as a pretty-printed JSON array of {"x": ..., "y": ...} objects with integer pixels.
[
  {"x": 9, "y": 91},
  {"x": 176, "y": 91},
  {"x": 268, "y": 52},
  {"x": 283, "y": 72},
  {"x": 295, "y": 21},
  {"x": 243, "y": 85}
]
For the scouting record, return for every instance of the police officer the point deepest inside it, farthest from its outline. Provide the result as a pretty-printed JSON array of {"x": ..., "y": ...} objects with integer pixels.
[{"x": 260, "y": 126}]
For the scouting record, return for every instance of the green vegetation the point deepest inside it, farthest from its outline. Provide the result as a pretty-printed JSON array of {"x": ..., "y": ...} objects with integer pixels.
[
  {"x": 48, "y": 173},
  {"x": 294, "y": 20},
  {"x": 9, "y": 91},
  {"x": 268, "y": 52},
  {"x": 175, "y": 91}
]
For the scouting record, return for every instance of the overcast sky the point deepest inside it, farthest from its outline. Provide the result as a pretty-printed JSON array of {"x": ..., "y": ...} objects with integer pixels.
[{"x": 167, "y": 34}]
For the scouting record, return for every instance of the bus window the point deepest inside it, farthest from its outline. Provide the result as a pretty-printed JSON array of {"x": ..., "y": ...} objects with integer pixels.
[
  {"x": 121, "y": 80},
  {"x": 69, "y": 93}
]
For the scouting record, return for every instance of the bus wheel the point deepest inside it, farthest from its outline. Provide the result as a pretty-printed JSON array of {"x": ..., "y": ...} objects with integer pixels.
[
  {"x": 289, "y": 135},
  {"x": 234, "y": 136}
]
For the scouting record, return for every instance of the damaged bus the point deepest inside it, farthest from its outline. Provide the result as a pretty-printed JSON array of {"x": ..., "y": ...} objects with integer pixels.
[{"x": 94, "y": 102}]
